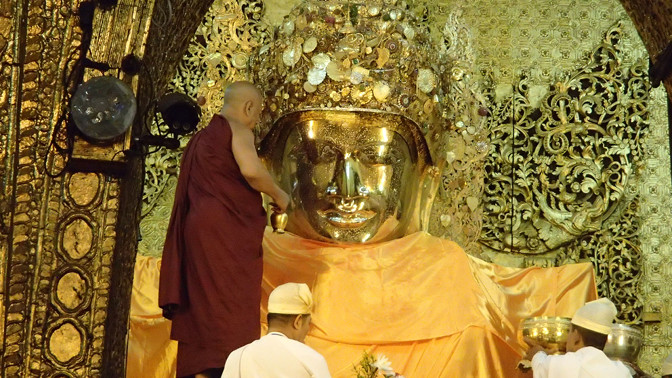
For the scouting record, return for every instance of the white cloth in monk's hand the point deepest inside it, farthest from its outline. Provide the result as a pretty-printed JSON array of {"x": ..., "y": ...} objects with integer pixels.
[
  {"x": 587, "y": 362},
  {"x": 275, "y": 356}
]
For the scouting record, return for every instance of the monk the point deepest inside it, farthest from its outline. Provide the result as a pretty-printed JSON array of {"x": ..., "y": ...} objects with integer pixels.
[{"x": 210, "y": 282}]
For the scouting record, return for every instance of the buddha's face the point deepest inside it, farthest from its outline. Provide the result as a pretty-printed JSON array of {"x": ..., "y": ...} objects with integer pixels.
[{"x": 353, "y": 178}]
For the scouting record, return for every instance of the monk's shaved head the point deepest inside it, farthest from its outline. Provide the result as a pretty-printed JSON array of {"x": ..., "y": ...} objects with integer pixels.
[
  {"x": 241, "y": 91},
  {"x": 243, "y": 103}
]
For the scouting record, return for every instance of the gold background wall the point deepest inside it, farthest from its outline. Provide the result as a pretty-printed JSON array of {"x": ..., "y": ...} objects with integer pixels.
[
  {"x": 67, "y": 243},
  {"x": 544, "y": 42}
]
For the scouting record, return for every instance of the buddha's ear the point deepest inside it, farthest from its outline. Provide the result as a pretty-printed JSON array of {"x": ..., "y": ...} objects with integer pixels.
[{"x": 431, "y": 178}]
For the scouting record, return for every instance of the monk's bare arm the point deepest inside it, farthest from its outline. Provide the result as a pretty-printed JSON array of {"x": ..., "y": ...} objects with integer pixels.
[{"x": 253, "y": 169}]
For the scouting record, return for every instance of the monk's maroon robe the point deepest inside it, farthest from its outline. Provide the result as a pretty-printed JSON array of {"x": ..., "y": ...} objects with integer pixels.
[{"x": 212, "y": 258}]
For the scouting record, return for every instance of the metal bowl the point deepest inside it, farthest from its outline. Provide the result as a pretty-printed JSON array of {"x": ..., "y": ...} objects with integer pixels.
[
  {"x": 548, "y": 331},
  {"x": 624, "y": 343},
  {"x": 279, "y": 221}
]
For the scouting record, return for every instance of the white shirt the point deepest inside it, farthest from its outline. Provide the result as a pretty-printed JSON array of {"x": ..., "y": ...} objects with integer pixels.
[
  {"x": 275, "y": 356},
  {"x": 587, "y": 362}
]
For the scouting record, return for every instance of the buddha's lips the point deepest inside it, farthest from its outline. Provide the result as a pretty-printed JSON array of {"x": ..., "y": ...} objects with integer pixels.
[{"x": 346, "y": 219}]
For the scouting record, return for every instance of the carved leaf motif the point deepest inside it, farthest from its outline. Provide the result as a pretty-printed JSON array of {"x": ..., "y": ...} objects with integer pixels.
[{"x": 559, "y": 175}]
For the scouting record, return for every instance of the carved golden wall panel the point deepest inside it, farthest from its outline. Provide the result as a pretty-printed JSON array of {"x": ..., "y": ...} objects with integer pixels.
[
  {"x": 57, "y": 234},
  {"x": 656, "y": 237},
  {"x": 562, "y": 176},
  {"x": 617, "y": 221},
  {"x": 565, "y": 164},
  {"x": 77, "y": 266}
]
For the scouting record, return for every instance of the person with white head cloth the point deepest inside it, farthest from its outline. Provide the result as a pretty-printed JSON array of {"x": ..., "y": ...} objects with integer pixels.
[
  {"x": 666, "y": 369},
  {"x": 281, "y": 353},
  {"x": 590, "y": 327}
]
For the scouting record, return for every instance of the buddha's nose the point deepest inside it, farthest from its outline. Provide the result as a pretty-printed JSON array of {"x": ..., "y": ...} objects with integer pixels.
[{"x": 347, "y": 180}]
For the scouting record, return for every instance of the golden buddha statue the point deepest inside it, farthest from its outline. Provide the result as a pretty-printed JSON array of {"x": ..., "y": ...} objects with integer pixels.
[
  {"x": 365, "y": 114},
  {"x": 353, "y": 175},
  {"x": 362, "y": 115},
  {"x": 363, "y": 110}
]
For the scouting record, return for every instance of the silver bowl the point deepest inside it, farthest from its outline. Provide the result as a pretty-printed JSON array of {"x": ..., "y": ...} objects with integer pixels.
[{"x": 624, "y": 343}]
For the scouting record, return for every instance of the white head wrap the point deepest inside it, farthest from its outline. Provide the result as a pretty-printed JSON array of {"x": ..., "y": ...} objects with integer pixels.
[
  {"x": 597, "y": 315},
  {"x": 291, "y": 299}
]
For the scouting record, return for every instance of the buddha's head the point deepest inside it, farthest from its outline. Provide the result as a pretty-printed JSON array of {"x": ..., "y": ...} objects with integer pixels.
[
  {"x": 353, "y": 175},
  {"x": 355, "y": 110}
]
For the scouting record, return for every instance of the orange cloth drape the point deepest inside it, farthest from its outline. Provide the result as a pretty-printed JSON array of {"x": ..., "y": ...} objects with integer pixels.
[
  {"x": 421, "y": 301},
  {"x": 151, "y": 353}
]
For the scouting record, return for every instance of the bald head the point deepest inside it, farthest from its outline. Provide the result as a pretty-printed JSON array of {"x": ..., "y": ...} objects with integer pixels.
[
  {"x": 241, "y": 91},
  {"x": 242, "y": 103}
]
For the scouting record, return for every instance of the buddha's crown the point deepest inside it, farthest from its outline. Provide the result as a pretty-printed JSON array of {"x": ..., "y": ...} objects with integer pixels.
[{"x": 348, "y": 55}]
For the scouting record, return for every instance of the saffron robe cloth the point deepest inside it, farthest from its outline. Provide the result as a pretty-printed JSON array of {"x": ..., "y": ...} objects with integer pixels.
[
  {"x": 433, "y": 310},
  {"x": 276, "y": 356},
  {"x": 212, "y": 257},
  {"x": 149, "y": 343},
  {"x": 420, "y": 300},
  {"x": 587, "y": 362}
]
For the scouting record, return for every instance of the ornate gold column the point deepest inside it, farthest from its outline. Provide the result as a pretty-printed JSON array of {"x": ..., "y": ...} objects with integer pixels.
[
  {"x": 58, "y": 231},
  {"x": 68, "y": 242}
]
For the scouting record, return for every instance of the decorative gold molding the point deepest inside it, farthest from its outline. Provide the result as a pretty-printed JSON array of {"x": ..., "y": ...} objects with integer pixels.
[{"x": 59, "y": 233}]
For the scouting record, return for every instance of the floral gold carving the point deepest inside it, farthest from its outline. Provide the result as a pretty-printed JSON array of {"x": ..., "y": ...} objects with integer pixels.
[
  {"x": 77, "y": 238},
  {"x": 82, "y": 188},
  {"x": 71, "y": 290},
  {"x": 561, "y": 170},
  {"x": 65, "y": 342}
]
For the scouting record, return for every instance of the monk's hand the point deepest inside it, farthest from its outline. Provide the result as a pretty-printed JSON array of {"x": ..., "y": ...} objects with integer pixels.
[
  {"x": 275, "y": 208},
  {"x": 169, "y": 311},
  {"x": 281, "y": 202}
]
